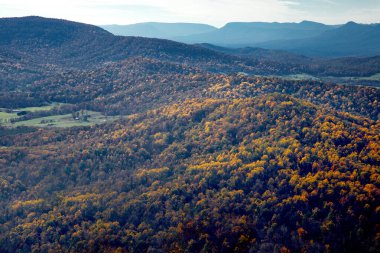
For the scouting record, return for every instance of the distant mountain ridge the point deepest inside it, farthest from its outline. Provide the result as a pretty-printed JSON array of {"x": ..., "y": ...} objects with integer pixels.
[
  {"x": 159, "y": 30},
  {"x": 250, "y": 33},
  {"x": 307, "y": 37},
  {"x": 351, "y": 39},
  {"x": 234, "y": 33}
]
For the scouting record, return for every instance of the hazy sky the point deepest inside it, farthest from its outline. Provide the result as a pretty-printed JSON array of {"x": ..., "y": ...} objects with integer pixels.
[{"x": 215, "y": 12}]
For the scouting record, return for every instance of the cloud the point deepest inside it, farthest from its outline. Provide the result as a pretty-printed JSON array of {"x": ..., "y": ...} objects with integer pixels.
[
  {"x": 289, "y": 3},
  {"x": 338, "y": 11},
  {"x": 216, "y": 12}
]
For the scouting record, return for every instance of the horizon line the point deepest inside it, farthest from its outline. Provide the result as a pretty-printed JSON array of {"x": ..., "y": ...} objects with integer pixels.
[{"x": 184, "y": 22}]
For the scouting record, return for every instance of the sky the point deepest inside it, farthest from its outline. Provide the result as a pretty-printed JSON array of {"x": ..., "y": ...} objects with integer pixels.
[{"x": 213, "y": 12}]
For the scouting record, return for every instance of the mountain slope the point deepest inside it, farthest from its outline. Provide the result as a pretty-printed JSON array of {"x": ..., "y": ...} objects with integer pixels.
[
  {"x": 50, "y": 44},
  {"x": 244, "y": 34},
  {"x": 261, "y": 53},
  {"x": 139, "y": 84},
  {"x": 159, "y": 30},
  {"x": 320, "y": 67},
  {"x": 352, "y": 39},
  {"x": 43, "y": 32},
  {"x": 84, "y": 46},
  {"x": 75, "y": 44},
  {"x": 253, "y": 174}
]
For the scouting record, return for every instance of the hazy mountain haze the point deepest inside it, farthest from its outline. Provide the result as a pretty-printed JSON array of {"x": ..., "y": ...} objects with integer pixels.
[
  {"x": 159, "y": 30},
  {"x": 307, "y": 37}
]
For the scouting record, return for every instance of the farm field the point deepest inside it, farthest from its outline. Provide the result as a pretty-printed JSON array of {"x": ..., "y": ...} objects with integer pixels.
[{"x": 66, "y": 120}]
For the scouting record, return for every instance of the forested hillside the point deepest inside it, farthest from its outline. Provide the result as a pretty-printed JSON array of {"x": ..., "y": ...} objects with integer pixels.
[
  {"x": 339, "y": 67},
  {"x": 188, "y": 153},
  {"x": 267, "y": 173},
  {"x": 33, "y": 48}
]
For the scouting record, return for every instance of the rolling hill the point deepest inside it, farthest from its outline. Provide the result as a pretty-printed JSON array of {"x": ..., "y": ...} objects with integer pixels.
[
  {"x": 320, "y": 67},
  {"x": 77, "y": 45},
  {"x": 209, "y": 174},
  {"x": 187, "y": 154}
]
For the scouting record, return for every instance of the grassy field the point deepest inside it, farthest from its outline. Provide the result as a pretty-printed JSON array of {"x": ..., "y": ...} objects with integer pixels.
[
  {"x": 4, "y": 116},
  {"x": 299, "y": 77},
  {"x": 37, "y": 108},
  {"x": 294, "y": 77},
  {"x": 371, "y": 78},
  {"x": 375, "y": 77},
  {"x": 65, "y": 121},
  {"x": 40, "y": 108}
]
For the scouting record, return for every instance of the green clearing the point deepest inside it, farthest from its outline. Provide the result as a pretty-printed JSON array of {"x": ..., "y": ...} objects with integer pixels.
[
  {"x": 294, "y": 77},
  {"x": 302, "y": 76},
  {"x": 4, "y": 116},
  {"x": 65, "y": 120},
  {"x": 299, "y": 77},
  {"x": 36, "y": 109},
  {"x": 375, "y": 77},
  {"x": 371, "y": 78}
]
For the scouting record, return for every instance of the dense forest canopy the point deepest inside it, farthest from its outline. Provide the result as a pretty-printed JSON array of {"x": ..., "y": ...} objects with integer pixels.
[{"x": 199, "y": 156}]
